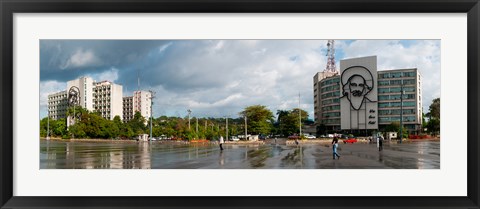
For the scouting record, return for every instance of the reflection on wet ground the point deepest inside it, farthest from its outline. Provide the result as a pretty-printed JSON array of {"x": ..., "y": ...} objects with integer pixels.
[{"x": 153, "y": 155}]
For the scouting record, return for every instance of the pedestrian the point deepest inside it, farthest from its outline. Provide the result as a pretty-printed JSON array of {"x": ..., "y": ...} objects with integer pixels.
[
  {"x": 335, "y": 146},
  {"x": 335, "y": 140},
  {"x": 380, "y": 143},
  {"x": 221, "y": 142}
]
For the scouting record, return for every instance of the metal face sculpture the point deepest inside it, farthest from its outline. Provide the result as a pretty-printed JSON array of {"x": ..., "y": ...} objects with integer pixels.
[
  {"x": 73, "y": 96},
  {"x": 355, "y": 86}
]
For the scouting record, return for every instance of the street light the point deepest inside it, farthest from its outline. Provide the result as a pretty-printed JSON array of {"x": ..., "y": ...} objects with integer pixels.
[
  {"x": 245, "y": 126},
  {"x": 48, "y": 124},
  {"x": 189, "y": 112},
  {"x": 226, "y": 135},
  {"x": 401, "y": 111},
  {"x": 152, "y": 95}
]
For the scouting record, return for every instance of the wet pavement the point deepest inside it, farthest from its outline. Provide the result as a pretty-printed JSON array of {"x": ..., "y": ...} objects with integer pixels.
[{"x": 155, "y": 155}]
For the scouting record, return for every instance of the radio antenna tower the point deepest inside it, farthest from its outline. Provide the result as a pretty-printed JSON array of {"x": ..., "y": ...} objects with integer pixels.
[{"x": 331, "y": 57}]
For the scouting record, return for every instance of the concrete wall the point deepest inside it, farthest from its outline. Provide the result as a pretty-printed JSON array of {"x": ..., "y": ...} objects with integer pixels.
[{"x": 359, "y": 112}]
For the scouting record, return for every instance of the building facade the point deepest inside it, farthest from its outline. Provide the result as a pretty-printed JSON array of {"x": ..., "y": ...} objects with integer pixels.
[
  {"x": 139, "y": 102},
  {"x": 332, "y": 103},
  {"x": 326, "y": 97},
  {"x": 57, "y": 105},
  {"x": 104, "y": 97},
  {"x": 85, "y": 85},
  {"x": 390, "y": 86},
  {"x": 108, "y": 99}
]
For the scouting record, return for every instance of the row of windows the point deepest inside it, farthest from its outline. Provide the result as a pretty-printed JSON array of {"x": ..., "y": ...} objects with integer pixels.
[
  {"x": 395, "y": 104},
  {"x": 396, "y": 90},
  {"x": 331, "y": 114},
  {"x": 331, "y": 121},
  {"x": 331, "y": 94},
  {"x": 396, "y": 119},
  {"x": 331, "y": 88},
  {"x": 396, "y": 82},
  {"x": 328, "y": 108},
  {"x": 330, "y": 101},
  {"x": 397, "y": 74},
  {"x": 396, "y": 112},
  {"x": 331, "y": 81},
  {"x": 396, "y": 97}
]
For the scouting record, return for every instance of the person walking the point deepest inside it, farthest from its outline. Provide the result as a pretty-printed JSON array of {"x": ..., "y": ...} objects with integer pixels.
[
  {"x": 221, "y": 142},
  {"x": 335, "y": 146},
  {"x": 380, "y": 143}
]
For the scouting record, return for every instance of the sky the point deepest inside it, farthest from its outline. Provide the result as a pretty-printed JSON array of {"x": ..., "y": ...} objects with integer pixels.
[{"x": 218, "y": 78}]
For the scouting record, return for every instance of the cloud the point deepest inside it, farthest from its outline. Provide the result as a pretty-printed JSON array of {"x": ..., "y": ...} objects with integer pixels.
[
  {"x": 107, "y": 75},
  {"x": 81, "y": 58},
  {"x": 221, "y": 77}
]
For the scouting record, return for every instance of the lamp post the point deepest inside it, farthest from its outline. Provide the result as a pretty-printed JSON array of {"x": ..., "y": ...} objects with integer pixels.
[
  {"x": 299, "y": 117},
  {"x": 189, "y": 112},
  {"x": 152, "y": 95},
  {"x": 245, "y": 126},
  {"x": 226, "y": 135},
  {"x": 401, "y": 112},
  {"x": 48, "y": 125}
]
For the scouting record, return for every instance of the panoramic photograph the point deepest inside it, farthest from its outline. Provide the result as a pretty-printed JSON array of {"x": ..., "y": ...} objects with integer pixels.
[{"x": 239, "y": 104}]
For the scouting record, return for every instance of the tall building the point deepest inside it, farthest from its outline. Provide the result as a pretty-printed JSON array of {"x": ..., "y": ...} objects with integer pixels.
[
  {"x": 139, "y": 102},
  {"x": 108, "y": 99},
  {"x": 389, "y": 93},
  {"x": 104, "y": 97},
  {"x": 326, "y": 93},
  {"x": 384, "y": 104},
  {"x": 57, "y": 105},
  {"x": 85, "y": 85}
]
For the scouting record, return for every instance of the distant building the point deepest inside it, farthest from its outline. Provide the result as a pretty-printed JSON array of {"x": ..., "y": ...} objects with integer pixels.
[
  {"x": 108, "y": 99},
  {"x": 389, "y": 91},
  {"x": 57, "y": 105},
  {"x": 104, "y": 97},
  {"x": 326, "y": 97},
  {"x": 383, "y": 92},
  {"x": 85, "y": 85},
  {"x": 139, "y": 102}
]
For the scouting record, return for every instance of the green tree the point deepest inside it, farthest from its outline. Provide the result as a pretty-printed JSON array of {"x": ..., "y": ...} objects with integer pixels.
[
  {"x": 435, "y": 108},
  {"x": 137, "y": 124},
  {"x": 289, "y": 121},
  {"x": 259, "y": 119}
]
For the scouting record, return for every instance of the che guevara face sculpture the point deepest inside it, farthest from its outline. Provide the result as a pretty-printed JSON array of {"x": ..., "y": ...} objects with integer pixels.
[{"x": 355, "y": 86}]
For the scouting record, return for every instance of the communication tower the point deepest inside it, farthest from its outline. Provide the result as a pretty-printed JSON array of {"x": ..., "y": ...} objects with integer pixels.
[{"x": 331, "y": 68}]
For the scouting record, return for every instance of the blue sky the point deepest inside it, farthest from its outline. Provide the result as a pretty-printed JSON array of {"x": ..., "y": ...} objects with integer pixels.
[{"x": 215, "y": 78}]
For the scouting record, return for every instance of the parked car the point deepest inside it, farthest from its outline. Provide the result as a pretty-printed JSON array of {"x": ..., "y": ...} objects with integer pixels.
[
  {"x": 234, "y": 138},
  {"x": 293, "y": 137},
  {"x": 310, "y": 136},
  {"x": 350, "y": 140}
]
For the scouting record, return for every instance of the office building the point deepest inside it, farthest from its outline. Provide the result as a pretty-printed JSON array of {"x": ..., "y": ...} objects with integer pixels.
[
  {"x": 139, "y": 102},
  {"x": 57, "y": 105},
  {"x": 108, "y": 99},
  {"x": 371, "y": 99}
]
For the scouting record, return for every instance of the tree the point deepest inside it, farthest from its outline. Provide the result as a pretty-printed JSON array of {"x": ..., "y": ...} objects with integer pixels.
[
  {"x": 435, "y": 108},
  {"x": 288, "y": 121},
  {"x": 259, "y": 119},
  {"x": 433, "y": 124}
]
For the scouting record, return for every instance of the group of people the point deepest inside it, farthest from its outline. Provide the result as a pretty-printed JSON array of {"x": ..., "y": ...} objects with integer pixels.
[{"x": 335, "y": 146}]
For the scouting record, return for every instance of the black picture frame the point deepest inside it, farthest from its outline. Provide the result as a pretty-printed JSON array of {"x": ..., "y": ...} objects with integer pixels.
[{"x": 9, "y": 7}]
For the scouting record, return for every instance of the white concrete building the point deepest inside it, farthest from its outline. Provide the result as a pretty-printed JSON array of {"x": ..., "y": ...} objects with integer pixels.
[
  {"x": 139, "y": 102},
  {"x": 85, "y": 85},
  {"x": 57, "y": 105},
  {"x": 385, "y": 93},
  {"x": 108, "y": 99}
]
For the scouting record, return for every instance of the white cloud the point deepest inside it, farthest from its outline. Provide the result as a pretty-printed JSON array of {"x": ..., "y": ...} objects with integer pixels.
[
  {"x": 81, "y": 58},
  {"x": 108, "y": 75}
]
